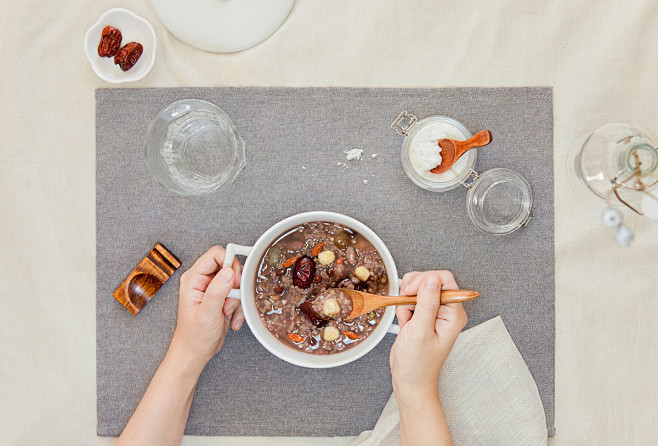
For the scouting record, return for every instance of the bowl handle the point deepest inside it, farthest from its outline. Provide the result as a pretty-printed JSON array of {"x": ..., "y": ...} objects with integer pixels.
[
  {"x": 395, "y": 328},
  {"x": 233, "y": 250}
]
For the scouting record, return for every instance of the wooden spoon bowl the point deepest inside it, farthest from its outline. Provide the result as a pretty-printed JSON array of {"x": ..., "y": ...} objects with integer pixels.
[{"x": 452, "y": 150}]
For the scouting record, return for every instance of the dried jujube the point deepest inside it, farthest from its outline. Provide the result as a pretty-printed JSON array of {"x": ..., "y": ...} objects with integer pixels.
[
  {"x": 303, "y": 272},
  {"x": 110, "y": 42},
  {"x": 128, "y": 55},
  {"x": 307, "y": 308}
]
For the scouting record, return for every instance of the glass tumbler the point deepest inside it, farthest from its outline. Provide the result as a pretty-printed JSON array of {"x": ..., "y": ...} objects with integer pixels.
[{"x": 193, "y": 147}]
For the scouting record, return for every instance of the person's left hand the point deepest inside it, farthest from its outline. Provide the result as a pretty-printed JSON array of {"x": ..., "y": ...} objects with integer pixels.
[{"x": 202, "y": 323}]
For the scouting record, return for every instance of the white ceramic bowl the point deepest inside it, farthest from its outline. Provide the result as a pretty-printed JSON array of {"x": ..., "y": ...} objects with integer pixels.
[
  {"x": 133, "y": 29},
  {"x": 247, "y": 291}
]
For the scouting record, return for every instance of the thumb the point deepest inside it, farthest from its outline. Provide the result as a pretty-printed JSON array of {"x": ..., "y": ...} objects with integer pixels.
[
  {"x": 428, "y": 300},
  {"x": 218, "y": 289}
]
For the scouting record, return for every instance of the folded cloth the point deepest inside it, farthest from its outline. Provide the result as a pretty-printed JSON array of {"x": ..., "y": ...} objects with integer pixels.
[{"x": 487, "y": 392}]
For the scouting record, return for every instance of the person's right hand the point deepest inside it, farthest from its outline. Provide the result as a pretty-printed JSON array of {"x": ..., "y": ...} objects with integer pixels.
[{"x": 428, "y": 331}]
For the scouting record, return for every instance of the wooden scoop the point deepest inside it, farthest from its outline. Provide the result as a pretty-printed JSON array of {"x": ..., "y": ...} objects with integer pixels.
[
  {"x": 452, "y": 150},
  {"x": 363, "y": 303}
]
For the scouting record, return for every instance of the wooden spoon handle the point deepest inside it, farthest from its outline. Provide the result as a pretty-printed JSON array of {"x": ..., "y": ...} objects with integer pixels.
[
  {"x": 447, "y": 297},
  {"x": 478, "y": 140},
  {"x": 456, "y": 296}
]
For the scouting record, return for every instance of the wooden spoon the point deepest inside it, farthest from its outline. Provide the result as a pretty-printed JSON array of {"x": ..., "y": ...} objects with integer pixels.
[
  {"x": 363, "y": 303},
  {"x": 452, "y": 150}
]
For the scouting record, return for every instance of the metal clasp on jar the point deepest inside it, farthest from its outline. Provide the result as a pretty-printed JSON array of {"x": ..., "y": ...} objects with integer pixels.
[
  {"x": 527, "y": 220},
  {"x": 473, "y": 176},
  {"x": 399, "y": 124}
]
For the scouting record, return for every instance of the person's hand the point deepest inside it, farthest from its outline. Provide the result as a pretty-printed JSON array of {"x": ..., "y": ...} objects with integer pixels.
[
  {"x": 202, "y": 323},
  {"x": 428, "y": 331}
]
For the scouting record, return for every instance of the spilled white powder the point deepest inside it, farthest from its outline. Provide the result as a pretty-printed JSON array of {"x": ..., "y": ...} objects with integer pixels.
[
  {"x": 425, "y": 153},
  {"x": 354, "y": 154}
]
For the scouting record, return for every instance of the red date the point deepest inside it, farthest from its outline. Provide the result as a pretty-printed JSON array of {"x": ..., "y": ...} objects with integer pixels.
[
  {"x": 307, "y": 309},
  {"x": 128, "y": 55},
  {"x": 303, "y": 272},
  {"x": 110, "y": 42}
]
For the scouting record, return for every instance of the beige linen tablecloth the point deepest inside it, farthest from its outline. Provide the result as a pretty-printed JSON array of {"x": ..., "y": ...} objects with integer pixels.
[{"x": 600, "y": 56}]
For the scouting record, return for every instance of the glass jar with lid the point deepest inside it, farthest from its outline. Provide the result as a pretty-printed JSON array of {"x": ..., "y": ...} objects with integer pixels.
[{"x": 499, "y": 201}]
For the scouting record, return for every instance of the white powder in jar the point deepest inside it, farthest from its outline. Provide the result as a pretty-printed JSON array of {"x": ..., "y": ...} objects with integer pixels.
[{"x": 425, "y": 153}]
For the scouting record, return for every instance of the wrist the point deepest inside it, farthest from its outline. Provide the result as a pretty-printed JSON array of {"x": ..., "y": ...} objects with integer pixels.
[
  {"x": 184, "y": 359},
  {"x": 416, "y": 399},
  {"x": 411, "y": 393}
]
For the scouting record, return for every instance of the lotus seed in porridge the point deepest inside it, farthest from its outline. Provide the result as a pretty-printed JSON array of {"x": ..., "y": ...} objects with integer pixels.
[
  {"x": 332, "y": 304},
  {"x": 295, "y": 284}
]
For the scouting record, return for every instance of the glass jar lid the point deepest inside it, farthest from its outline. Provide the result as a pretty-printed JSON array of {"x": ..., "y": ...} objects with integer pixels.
[{"x": 499, "y": 201}]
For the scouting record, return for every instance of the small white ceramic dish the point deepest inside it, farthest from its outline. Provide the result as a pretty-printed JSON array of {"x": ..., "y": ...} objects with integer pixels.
[
  {"x": 247, "y": 293},
  {"x": 133, "y": 29}
]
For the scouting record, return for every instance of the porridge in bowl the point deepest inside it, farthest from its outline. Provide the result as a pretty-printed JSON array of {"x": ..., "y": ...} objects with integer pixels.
[{"x": 295, "y": 282}]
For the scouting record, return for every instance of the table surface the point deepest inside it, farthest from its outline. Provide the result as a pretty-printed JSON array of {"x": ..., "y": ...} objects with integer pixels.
[{"x": 600, "y": 56}]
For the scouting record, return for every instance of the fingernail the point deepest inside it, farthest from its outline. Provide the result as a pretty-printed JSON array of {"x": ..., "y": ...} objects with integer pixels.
[
  {"x": 432, "y": 282},
  {"x": 226, "y": 275}
]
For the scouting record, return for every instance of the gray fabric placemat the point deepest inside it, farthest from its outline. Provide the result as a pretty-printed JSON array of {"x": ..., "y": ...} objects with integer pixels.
[{"x": 245, "y": 390}]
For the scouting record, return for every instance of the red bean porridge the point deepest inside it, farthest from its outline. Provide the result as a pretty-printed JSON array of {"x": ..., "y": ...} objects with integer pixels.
[{"x": 308, "y": 262}]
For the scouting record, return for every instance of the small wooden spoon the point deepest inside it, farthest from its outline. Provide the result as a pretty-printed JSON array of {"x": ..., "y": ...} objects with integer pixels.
[
  {"x": 452, "y": 150},
  {"x": 363, "y": 303}
]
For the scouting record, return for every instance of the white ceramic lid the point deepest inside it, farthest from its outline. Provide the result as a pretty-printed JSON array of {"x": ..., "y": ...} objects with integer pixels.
[{"x": 222, "y": 26}]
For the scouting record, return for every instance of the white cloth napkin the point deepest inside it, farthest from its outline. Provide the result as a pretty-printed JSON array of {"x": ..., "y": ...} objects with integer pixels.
[{"x": 487, "y": 392}]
